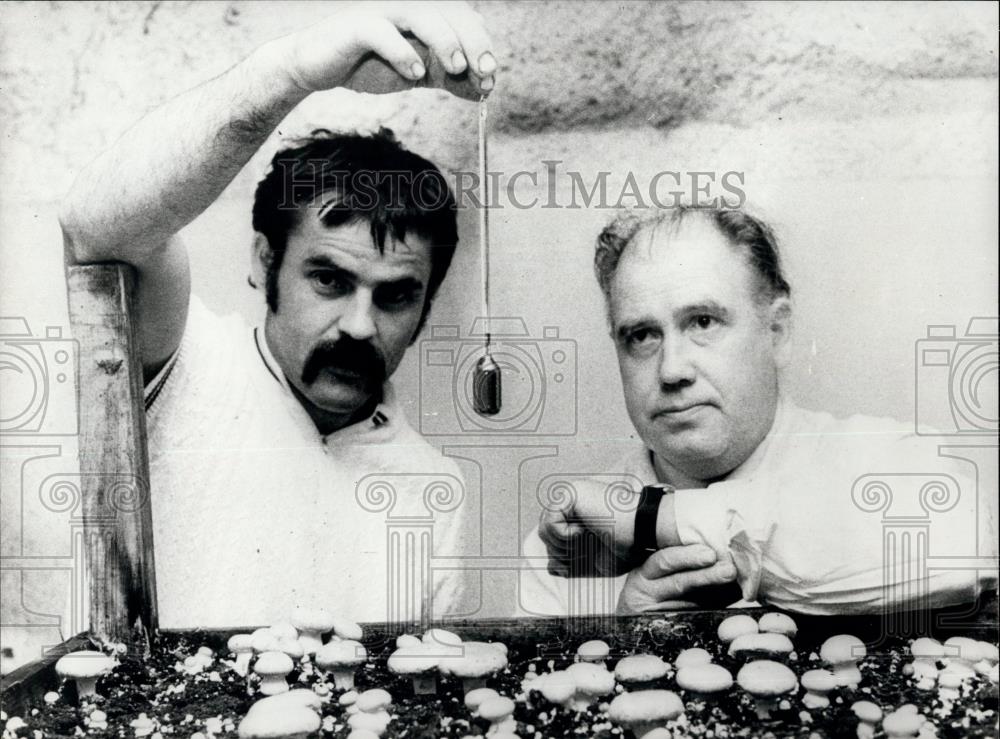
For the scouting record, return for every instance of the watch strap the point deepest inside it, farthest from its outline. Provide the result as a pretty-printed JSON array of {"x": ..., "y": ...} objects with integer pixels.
[{"x": 644, "y": 540}]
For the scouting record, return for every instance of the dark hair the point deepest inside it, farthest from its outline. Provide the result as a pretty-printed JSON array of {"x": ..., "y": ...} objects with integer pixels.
[
  {"x": 368, "y": 178},
  {"x": 741, "y": 229}
]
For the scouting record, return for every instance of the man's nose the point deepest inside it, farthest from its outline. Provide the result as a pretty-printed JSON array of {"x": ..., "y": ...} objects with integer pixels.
[
  {"x": 676, "y": 367},
  {"x": 358, "y": 320}
]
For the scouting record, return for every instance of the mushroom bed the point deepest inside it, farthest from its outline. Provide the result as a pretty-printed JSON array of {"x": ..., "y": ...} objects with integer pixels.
[{"x": 169, "y": 694}]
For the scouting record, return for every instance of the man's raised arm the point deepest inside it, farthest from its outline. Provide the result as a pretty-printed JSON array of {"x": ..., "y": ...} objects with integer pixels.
[{"x": 129, "y": 203}]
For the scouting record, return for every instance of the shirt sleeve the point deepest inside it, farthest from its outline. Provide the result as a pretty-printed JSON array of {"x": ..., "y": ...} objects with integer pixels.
[{"x": 863, "y": 523}]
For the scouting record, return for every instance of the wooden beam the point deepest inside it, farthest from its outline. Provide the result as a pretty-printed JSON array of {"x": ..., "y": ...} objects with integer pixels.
[{"x": 114, "y": 465}]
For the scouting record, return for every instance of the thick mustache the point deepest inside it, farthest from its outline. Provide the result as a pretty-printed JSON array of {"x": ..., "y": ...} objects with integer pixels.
[{"x": 346, "y": 355}]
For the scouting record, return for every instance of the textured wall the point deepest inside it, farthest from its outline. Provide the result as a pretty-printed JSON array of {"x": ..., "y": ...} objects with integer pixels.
[{"x": 866, "y": 132}]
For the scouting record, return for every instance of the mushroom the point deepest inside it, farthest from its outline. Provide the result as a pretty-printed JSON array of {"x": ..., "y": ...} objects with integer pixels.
[
  {"x": 292, "y": 647},
  {"x": 817, "y": 683},
  {"x": 374, "y": 700},
  {"x": 272, "y": 667},
  {"x": 868, "y": 715},
  {"x": 375, "y": 722},
  {"x": 85, "y": 667},
  {"x": 478, "y": 661},
  {"x": 264, "y": 641},
  {"x": 441, "y": 637},
  {"x": 734, "y": 626},
  {"x": 926, "y": 653},
  {"x": 778, "y": 623},
  {"x": 500, "y": 713},
  {"x": 418, "y": 663},
  {"x": 592, "y": 681},
  {"x": 644, "y": 711},
  {"x": 842, "y": 653},
  {"x": 363, "y": 734},
  {"x": 765, "y": 645},
  {"x": 905, "y": 721},
  {"x": 408, "y": 640},
  {"x": 345, "y": 628},
  {"x": 594, "y": 650},
  {"x": 963, "y": 653},
  {"x": 341, "y": 658},
  {"x": 556, "y": 687},
  {"x": 692, "y": 656},
  {"x": 704, "y": 680},
  {"x": 475, "y": 698},
  {"x": 297, "y": 698},
  {"x": 283, "y": 630},
  {"x": 766, "y": 680},
  {"x": 311, "y": 624},
  {"x": 640, "y": 670},
  {"x": 285, "y": 722},
  {"x": 241, "y": 645}
]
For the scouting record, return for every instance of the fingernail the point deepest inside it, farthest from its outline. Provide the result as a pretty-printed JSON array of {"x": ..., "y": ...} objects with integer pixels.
[
  {"x": 486, "y": 84},
  {"x": 487, "y": 64},
  {"x": 458, "y": 61},
  {"x": 417, "y": 70}
]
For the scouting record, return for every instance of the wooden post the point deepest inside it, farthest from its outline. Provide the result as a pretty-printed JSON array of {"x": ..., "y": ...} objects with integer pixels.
[{"x": 118, "y": 522}]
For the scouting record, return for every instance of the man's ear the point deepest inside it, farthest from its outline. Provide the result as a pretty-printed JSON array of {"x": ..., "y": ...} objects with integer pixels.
[
  {"x": 259, "y": 260},
  {"x": 780, "y": 326}
]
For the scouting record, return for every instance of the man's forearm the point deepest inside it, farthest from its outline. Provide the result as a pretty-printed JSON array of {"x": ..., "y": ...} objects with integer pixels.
[{"x": 175, "y": 162}]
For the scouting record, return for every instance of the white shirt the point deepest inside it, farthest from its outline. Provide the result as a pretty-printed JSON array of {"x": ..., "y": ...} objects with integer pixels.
[
  {"x": 255, "y": 512},
  {"x": 811, "y": 527}
]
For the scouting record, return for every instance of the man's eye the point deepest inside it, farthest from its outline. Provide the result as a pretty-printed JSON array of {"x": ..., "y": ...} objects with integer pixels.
[
  {"x": 641, "y": 338},
  {"x": 397, "y": 297},
  {"x": 704, "y": 322},
  {"x": 329, "y": 280}
]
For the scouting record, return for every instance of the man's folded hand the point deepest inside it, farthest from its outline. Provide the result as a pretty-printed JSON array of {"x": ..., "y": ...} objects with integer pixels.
[{"x": 676, "y": 578}]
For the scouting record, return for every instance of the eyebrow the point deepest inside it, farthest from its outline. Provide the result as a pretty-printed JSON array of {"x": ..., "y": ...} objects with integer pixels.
[{"x": 324, "y": 261}]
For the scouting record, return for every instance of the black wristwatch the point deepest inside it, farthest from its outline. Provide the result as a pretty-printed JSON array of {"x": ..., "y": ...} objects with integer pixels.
[{"x": 644, "y": 540}]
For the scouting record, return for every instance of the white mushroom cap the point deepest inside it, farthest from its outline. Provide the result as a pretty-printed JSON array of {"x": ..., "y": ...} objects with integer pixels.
[
  {"x": 286, "y": 721},
  {"x": 316, "y": 620},
  {"x": 284, "y": 630},
  {"x": 271, "y": 664},
  {"x": 375, "y": 699},
  {"x": 496, "y": 709},
  {"x": 346, "y": 653},
  {"x": 867, "y": 711},
  {"x": 557, "y": 687},
  {"x": 902, "y": 723},
  {"x": 732, "y": 627},
  {"x": 363, "y": 734},
  {"x": 412, "y": 660},
  {"x": 692, "y": 656},
  {"x": 640, "y": 668},
  {"x": 441, "y": 637},
  {"x": 593, "y": 680},
  {"x": 375, "y": 722},
  {"x": 84, "y": 664},
  {"x": 842, "y": 649},
  {"x": 298, "y": 698},
  {"x": 970, "y": 650},
  {"x": 408, "y": 640},
  {"x": 926, "y": 648},
  {"x": 769, "y": 642},
  {"x": 479, "y": 659},
  {"x": 778, "y": 623},
  {"x": 347, "y": 629},
  {"x": 595, "y": 650},
  {"x": 644, "y": 706},
  {"x": 704, "y": 678},
  {"x": 819, "y": 681},
  {"x": 240, "y": 643},
  {"x": 292, "y": 647},
  {"x": 475, "y": 698},
  {"x": 264, "y": 641},
  {"x": 766, "y": 678}
]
